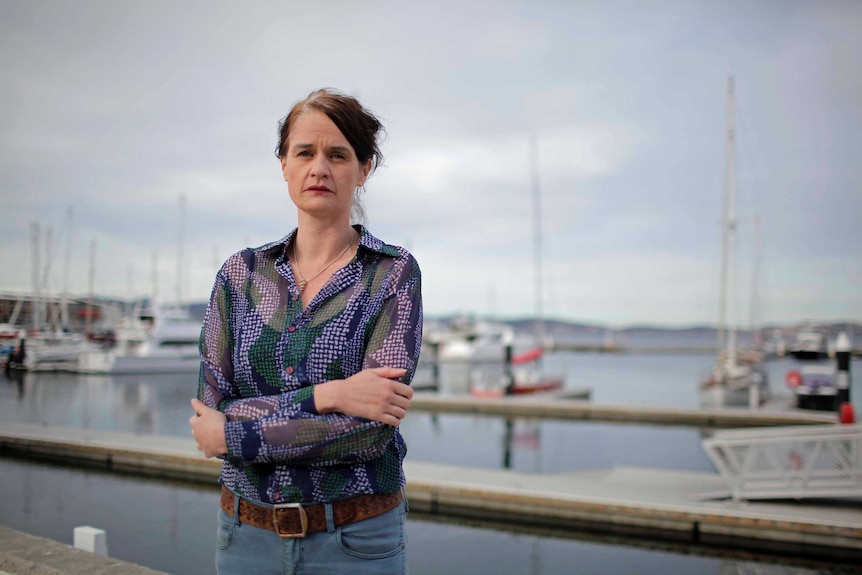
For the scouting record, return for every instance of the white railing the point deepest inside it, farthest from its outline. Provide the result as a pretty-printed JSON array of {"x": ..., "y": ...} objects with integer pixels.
[
  {"x": 752, "y": 568},
  {"x": 793, "y": 462}
]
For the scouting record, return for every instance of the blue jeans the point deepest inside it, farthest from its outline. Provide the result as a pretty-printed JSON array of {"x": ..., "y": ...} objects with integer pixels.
[{"x": 373, "y": 546}]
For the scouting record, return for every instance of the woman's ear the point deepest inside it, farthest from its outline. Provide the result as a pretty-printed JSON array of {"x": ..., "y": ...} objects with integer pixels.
[
  {"x": 283, "y": 160},
  {"x": 364, "y": 170}
]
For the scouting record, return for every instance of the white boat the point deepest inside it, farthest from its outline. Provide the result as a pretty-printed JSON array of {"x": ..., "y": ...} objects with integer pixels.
[
  {"x": 162, "y": 342},
  {"x": 810, "y": 344},
  {"x": 58, "y": 351},
  {"x": 734, "y": 381},
  {"x": 735, "y": 384}
]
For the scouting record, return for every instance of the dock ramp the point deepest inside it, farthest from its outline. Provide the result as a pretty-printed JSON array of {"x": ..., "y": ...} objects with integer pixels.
[{"x": 794, "y": 462}]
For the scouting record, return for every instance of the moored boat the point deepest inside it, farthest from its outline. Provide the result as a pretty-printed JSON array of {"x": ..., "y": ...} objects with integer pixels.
[{"x": 810, "y": 344}]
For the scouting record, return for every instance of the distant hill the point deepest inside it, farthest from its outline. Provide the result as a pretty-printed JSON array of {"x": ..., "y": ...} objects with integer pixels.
[{"x": 564, "y": 330}]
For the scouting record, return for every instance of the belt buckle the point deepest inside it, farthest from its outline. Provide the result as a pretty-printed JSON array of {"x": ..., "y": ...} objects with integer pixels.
[{"x": 303, "y": 520}]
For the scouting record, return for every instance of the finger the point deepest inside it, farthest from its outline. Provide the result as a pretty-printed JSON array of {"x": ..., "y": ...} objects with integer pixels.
[
  {"x": 403, "y": 390},
  {"x": 400, "y": 402}
]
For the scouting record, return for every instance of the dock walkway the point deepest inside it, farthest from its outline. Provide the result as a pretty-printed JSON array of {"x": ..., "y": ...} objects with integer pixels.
[
  {"x": 661, "y": 504},
  {"x": 24, "y": 554},
  {"x": 574, "y": 410}
]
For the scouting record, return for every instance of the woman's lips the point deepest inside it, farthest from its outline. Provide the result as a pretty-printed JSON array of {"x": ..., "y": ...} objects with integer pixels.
[{"x": 318, "y": 189}]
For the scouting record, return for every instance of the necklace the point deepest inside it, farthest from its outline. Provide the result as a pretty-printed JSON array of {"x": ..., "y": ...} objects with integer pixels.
[{"x": 304, "y": 282}]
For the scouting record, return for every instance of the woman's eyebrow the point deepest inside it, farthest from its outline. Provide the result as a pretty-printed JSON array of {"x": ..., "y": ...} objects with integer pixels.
[{"x": 339, "y": 149}]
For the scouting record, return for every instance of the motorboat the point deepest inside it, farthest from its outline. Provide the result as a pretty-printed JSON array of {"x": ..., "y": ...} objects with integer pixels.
[
  {"x": 810, "y": 344},
  {"x": 815, "y": 386},
  {"x": 163, "y": 341}
]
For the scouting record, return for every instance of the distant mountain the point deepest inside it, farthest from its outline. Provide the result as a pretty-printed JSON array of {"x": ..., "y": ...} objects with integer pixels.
[{"x": 564, "y": 330}]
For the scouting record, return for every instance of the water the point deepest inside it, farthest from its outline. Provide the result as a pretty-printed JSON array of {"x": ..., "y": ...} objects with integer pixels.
[{"x": 171, "y": 526}]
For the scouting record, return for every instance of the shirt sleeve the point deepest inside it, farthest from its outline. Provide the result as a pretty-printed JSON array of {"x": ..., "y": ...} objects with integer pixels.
[
  {"x": 215, "y": 381},
  {"x": 216, "y": 386},
  {"x": 287, "y": 429}
]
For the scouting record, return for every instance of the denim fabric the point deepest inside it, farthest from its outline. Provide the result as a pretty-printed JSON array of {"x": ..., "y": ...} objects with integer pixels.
[{"x": 373, "y": 546}]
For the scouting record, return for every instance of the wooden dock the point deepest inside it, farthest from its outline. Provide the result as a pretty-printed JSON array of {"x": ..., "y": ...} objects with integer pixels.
[
  {"x": 672, "y": 505},
  {"x": 574, "y": 410}
]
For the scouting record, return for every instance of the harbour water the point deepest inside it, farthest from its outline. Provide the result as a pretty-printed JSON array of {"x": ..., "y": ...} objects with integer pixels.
[{"x": 170, "y": 526}]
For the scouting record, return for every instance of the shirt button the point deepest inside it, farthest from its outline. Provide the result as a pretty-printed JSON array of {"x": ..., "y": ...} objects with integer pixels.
[
  {"x": 291, "y": 328},
  {"x": 289, "y": 370},
  {"x": 295, "y": 297},
  {"x": 276, "y": 496}
]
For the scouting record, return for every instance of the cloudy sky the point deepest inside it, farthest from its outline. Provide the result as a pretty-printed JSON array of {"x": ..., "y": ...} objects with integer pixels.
[{"x": 121, "y": 112}]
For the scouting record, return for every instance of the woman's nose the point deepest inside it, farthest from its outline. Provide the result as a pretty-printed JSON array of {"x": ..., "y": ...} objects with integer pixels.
[{"x": 320, "y": 166}]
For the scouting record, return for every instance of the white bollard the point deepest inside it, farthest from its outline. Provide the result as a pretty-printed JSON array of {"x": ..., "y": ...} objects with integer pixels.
[
  {"x": 754, "y": 395},
  {"x": 91, "y": 539}
]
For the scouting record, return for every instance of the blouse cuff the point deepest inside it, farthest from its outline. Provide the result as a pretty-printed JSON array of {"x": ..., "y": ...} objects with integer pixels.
[{"x": 305, "y": 399}]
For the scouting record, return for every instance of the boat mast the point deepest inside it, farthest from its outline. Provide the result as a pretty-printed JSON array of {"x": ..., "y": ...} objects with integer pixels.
[
  {"x": 755, "y": 311},
  {"x": 537, "y": 238},
  {"x": 64, "y": 310},
  {"x": 181, "y": 236},
  {"x": 91, "y": 288},
  {"x": 35, "y": 234},
  {"x": 728, "y": 237}
]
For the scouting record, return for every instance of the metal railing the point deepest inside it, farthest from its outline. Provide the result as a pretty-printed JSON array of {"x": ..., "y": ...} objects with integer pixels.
[{"x": 794, "y": 462}]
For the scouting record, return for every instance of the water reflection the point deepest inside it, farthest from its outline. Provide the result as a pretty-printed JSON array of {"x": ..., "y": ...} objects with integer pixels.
[
  {"x": 16, "y": 378},
  {"x": 171, "y": 527},
  {"x": 522, "y": 435}
]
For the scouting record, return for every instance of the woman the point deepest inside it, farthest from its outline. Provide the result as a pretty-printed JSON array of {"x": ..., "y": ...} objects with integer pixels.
[{"x": 308, "y": 348}]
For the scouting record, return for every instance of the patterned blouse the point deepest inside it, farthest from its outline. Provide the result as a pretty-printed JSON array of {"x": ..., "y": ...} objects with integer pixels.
[{"x": 262, "y": 354}]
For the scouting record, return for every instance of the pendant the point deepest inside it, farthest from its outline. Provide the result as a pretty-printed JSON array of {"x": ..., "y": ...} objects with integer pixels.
[{"x": 301, "y": 286}]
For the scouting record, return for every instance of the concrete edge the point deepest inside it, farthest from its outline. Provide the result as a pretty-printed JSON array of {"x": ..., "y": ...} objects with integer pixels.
[
  {"x": 575, "y": 410},
  {"x": 504, "y": 503},
  {"x": 25, "y": 554}
]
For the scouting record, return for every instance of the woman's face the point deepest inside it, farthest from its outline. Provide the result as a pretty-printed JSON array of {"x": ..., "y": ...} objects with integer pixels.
[{"x": 320, "y": 167}]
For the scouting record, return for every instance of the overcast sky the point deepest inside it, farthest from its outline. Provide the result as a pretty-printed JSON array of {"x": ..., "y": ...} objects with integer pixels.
[{"x": 118, "y": 109}]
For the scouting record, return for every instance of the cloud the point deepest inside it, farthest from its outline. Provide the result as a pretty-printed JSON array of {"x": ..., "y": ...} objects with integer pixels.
[{"x": 117, "y": 110}]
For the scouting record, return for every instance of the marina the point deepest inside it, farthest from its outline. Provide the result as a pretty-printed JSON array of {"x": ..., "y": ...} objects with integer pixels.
[
  {"x": 608, "y": 475},
  {"x": 679, "y": 505}
]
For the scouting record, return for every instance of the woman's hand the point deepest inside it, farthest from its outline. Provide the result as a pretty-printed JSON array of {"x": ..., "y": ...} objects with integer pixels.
[
  {"x": 372, "y": 393},
  {"x": 208, "y": 429}
]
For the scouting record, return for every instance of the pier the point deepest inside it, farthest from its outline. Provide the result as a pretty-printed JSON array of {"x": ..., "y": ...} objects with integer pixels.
[
  {"x": 573, "y": 410},
  {"x": 662, "y": 504},
  {"x": 24, "y": 554}
]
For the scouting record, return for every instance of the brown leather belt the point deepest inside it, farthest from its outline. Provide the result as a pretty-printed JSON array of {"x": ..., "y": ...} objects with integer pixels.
[{"x": 295, "y": 520}]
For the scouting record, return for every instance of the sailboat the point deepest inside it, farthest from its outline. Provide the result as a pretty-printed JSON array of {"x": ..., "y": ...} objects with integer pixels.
[
  {"x": 523, "y": 373},
  {"x": 735, "y": 381}
]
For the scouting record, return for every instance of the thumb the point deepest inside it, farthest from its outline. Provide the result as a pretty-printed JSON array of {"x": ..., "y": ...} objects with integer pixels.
[
  {"x": 389, "y": 372},
  {"x": 199, "y": 406}
]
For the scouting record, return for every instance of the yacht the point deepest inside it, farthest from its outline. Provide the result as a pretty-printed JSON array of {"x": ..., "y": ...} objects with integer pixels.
[{"x": 164, "y": 340}]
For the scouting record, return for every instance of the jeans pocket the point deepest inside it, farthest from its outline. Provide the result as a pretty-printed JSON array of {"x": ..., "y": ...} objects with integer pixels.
[
  {"x": 374, "y": 538},
  {"x": 225, "y": 530}
]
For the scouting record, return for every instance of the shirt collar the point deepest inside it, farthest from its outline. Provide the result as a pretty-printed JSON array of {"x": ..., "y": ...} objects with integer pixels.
[{"x": 366, "y": 240}]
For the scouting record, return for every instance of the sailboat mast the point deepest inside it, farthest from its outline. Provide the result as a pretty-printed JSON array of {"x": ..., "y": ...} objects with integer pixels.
[
  {"x": 35, "y": 236},
  {"x": 728, "y": 237},
  {"x": 181, "y": 237},
  {"x": 537, "y": 238},
  {"x": 64, "y": 310}
]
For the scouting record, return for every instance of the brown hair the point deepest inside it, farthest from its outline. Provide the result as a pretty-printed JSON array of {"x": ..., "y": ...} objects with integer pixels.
[{"x": 359, "y": 126}]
